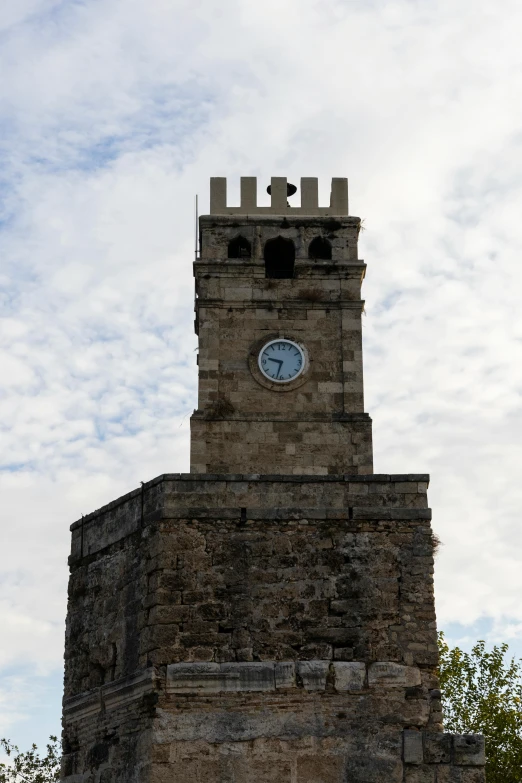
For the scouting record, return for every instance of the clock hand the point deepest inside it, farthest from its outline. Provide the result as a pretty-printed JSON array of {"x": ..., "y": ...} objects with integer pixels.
[{"x": 280, "y": 363}]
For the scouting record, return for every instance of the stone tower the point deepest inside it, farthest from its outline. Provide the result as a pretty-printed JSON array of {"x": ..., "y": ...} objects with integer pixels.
[
  {"x": 267, "y": 274},
  {"x": 268, "y": 617}
]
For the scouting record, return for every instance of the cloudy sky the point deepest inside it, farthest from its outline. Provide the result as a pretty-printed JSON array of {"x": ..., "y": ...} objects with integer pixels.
[{"x": 113, "y": 115}]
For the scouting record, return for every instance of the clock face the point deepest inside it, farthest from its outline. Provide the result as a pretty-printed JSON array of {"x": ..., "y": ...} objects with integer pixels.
[{"x": 281, "y": 360}]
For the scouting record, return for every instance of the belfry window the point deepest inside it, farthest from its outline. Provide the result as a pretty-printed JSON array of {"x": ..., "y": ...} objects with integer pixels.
[
  {"x": 279, "y": 258},
  {"x": 320, "y": 248},
  {"x": 239, "y": 247}
]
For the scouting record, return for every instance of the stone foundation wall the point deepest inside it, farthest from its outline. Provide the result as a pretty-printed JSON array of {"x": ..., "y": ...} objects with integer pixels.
[{"x": 240, "y": 627}]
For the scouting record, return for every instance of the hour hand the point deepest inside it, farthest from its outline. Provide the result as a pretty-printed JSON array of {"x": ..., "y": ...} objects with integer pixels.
[{"x": 279, "y": 362}]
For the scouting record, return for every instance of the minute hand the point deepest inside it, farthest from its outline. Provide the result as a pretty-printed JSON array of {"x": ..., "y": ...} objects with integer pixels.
[{"x": 280, "y": 363}]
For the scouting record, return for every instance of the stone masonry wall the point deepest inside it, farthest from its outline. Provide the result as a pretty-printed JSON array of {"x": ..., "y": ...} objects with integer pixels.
[
  {"x": 298, "y": 445},
  {"x": 107, "y": 735},
  {"x": 316, "y": 425},
  {"x": 305, "y": 570},
  {"x": 239, "y": 627}
]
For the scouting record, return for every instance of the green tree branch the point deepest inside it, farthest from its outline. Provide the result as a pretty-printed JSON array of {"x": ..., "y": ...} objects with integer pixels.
[
  {"x": 482, "y": 694},
  {"x": 30, "y": 767}
]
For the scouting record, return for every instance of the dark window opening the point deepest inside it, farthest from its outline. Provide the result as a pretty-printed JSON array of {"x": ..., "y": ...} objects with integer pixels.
[
  {"x": 320, "y": 248},
  {"x": 239, "y": 247},
  {"x": 279, "y": 258}
]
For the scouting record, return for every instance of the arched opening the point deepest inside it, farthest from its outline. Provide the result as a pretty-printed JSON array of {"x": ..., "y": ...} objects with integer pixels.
[
  {"x": 320, "y": 248},
  {"x": 239, "y": 247},
  {"x": 279, "y": 258}
]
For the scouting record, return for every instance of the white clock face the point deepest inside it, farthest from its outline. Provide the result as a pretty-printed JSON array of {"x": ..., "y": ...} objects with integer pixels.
[{"x": 281, "y": 360}]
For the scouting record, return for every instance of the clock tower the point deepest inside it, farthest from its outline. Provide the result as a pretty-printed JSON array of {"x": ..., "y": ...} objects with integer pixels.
[
  {"x": 268, "y": 617},
  {"x": 278, "y": 314}
]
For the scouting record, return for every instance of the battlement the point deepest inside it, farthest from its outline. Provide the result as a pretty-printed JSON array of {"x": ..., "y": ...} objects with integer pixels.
[{"x": 279, "y": 193}]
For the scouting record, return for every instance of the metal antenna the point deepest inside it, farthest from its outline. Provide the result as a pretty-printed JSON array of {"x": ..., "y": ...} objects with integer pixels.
[{"x": 196, "y": 229}]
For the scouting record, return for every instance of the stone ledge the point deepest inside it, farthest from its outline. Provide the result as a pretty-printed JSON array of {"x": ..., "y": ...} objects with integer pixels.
[
  {"x": 380, "y": 477},
  {"x": 278, "y": 418},
  {"x": 289, "y": 514},
  {"x": 347, "y": 221},
  {"x": 112, "y": 696},
  {"x": 383, "y": 478},
  {"x": 241, "y": 677},
  {"x": 391, "y": 514},
  {"x": 296, "y": 304}
]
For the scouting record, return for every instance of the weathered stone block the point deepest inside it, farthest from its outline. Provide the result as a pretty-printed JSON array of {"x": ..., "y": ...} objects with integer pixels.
[
  {"x": 250, "y": 676},
  {"x": 197, "y": 770},
  {"x": 469, "y": 749},
  {"x": 349, "y": 676},
  {"x": 422, "y": 774},
  {"x": 413, "y": 751},
  {"x": 447, "y": 773},
  {"x": 343, "y": 654},
  {"x": 284, "y": 674},
  {"x": 221, "y": 677},
  {"x": 194, "y": 677},
  {"x": 393, "y": 674},
  {"x": 254, "y": 771},
  {"x": 437, "y": 748},
  {"x": 321, "y": 769},
  {"x": 313, "y": 674},
  {"x": 373, "y": 769}
]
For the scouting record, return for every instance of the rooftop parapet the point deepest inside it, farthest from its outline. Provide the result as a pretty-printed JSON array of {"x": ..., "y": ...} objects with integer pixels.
[{"x": 279, "y": 193}]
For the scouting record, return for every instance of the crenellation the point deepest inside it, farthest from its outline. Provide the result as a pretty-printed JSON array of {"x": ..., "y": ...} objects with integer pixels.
[
  {"x": 310, "y": 195},
  {"x": 278, "y": 198}
]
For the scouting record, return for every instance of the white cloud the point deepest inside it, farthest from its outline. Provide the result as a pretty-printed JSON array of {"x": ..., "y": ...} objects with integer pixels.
[{"x": 114, "y": 115}]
